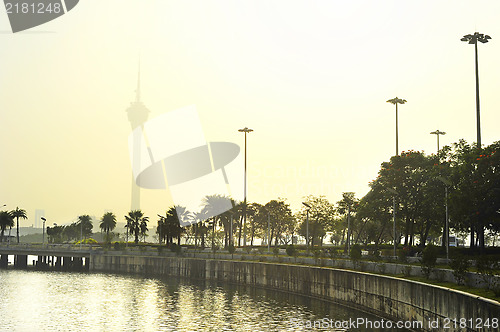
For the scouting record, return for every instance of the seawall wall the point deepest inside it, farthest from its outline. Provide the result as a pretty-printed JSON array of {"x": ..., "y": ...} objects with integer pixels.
[{"x": 392, "y": 298}]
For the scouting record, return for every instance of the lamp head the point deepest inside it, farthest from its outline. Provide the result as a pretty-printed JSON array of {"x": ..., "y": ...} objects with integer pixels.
[
  {"x": 396, "y": 100},
  {"x": 245, "y": 130},
  {"x": 473, "y": 39}
]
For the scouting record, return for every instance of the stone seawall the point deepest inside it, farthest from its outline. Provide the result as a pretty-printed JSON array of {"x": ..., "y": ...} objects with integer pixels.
[{"x": 389, "y": 297}]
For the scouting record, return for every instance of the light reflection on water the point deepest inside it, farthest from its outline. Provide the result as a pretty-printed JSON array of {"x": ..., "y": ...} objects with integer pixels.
[{"x": 63, "y": 301}]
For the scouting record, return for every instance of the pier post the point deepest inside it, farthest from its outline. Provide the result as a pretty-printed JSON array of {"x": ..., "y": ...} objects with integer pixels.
[
  {"x": 21, "y": 261},
  {"x": 4, "y": 261},
  {"x": 67, "y": 263}
]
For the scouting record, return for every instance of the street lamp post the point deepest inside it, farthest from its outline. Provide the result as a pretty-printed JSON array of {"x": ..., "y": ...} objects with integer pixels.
[
  {"x": 81, "y": 233},
  {"x": 349, "y": 230},
  {"x": 307, "y": 224},
  {"x": 447, "y": 183},
  {"x": 245, "y": 130},
  {"x": 473, "y": 39},
  {"x": 396, "y": 101},
  {"x": 43, "y": 230},
  {"x": 437, "y": 133},
  {"x": 231, "y": 231},
  {"x": 268, "y": 231}
]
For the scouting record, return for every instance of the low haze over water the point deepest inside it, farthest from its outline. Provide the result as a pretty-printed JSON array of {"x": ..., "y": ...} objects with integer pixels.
[{"x": 53, "y": 301}]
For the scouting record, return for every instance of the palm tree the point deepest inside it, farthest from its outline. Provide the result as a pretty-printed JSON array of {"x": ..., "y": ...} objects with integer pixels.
[
  {"x": 85, "y": 223},
  {"x": 18, "y": 213},
  {"x": 134, "y": 220},
  {"x": 108, "y": 222},
  {"x": 143, "y": 228},
  {"x": 214, "y": 206},
  {"x": 6, "y": 220},
  {"x": 200, "y": 229},
  {"x": 169, "y": 225}
]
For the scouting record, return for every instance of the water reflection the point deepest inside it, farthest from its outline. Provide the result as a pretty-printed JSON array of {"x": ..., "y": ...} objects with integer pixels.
[{"x": 61, "y": 301}]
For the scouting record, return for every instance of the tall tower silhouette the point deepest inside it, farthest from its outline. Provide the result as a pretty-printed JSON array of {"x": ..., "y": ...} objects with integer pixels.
[{"x": 137, "y": 115}]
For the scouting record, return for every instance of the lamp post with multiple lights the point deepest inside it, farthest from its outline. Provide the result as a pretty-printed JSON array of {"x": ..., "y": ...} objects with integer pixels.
[
  {"x": 246, "y": 131},
  {"x": 437, "y": 133},
  {"x": 396, "y": 101},
  {"x": 473, "y": 39}
]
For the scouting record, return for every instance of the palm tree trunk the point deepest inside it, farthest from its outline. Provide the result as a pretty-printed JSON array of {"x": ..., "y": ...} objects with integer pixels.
[
  {"x": 17, "y": 229},
  {"x": 239, "y": 233}
]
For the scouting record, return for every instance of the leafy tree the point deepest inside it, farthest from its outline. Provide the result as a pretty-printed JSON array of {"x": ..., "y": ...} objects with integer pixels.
[
  {"x": 374, "y": 213},
  {"x": 419, "y": 199},
  {"x": 6, "y": 220},
  {"x": 134, "y": 220},
  {"x": 347, "y": 207},
  {"x": 475, "y": 196},
  {"x": 18, "y": 213},
  {"x": 282, "y": 223},
  {"x": 56, "y": 234},
  {"x": 322, "y": 218}
]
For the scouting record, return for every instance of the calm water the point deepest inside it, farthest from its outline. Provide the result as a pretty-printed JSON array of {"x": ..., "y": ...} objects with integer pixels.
[{"x": 62, "y": 301}]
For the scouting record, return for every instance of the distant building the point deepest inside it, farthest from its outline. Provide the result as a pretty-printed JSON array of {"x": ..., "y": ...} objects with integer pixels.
[
  {"x": 38, "y": 221},
  {"x": 137, "y": 115}
]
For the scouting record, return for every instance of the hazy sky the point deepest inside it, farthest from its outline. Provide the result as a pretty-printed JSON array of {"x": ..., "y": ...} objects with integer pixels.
[{"x": 310, "y": 77}]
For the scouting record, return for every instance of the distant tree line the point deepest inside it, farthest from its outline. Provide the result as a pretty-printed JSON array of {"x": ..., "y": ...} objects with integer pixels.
[{"x": 412, "y": 184}]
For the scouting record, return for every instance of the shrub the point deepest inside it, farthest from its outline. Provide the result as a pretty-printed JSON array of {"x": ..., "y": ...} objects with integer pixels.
[
  {"x": 261, "y": 250},
  {"x": 496, "y": 288},
  {"x": 406, "y": 270},
  {"x": 291, "y": 250},
  {"x": 440, "y": 275},
  {"x": 375, "y": 255},
  {"x": 231, "y": 249},
  {"x": 118, "y": 245},
  {"x": 460, "y": 266},
  {"x": 175, "y": 248},
  {"x": 332, "y": 252},
  {"x": 276, "y": 251},
  {"x": 87, "y": 241},
  {"x": 248, "y": 249},
  {"x": 403, "y": 255},
  {"x": 428, "y": 260},
  {"x": 485, "y": 266},
  {"x": 356, "y": 253},
  {"x": 317, "y": 254}
]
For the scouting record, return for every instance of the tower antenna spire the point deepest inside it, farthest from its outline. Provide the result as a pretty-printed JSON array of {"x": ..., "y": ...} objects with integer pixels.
[{"x": 138, "y": 90}]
